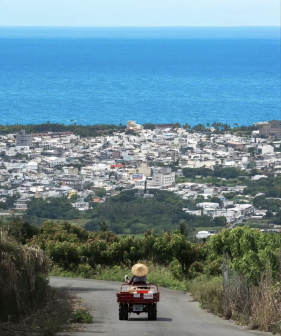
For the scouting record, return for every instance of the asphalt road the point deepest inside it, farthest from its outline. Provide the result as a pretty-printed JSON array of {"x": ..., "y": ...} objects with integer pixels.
[{"x": 177, "y": 314}]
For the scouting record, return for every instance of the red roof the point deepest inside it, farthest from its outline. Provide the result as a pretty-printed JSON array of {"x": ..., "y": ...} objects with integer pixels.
[
  {"x": 117, "y": 166},
  {"x": 96, "y": 200}
]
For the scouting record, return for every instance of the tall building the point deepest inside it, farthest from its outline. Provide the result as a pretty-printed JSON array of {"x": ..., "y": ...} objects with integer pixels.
[
  {"x": 132, "y": 126},
  {"x": 270, "y": 129},
  {"x": 23, "y": 139},
  {"x": 163, "y": 177}
]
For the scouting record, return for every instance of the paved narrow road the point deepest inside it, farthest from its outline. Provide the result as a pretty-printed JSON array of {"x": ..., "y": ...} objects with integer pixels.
[{"x": 177, "y": 314}]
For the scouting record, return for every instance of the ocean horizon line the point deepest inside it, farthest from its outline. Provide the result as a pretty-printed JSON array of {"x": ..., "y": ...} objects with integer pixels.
[
  {"x": 182, "y": 32},
  {"x": 218, "y": 26}
]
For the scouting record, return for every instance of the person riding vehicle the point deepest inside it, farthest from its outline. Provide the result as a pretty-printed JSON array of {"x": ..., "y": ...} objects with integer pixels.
[{"x": 139, "y": 272}]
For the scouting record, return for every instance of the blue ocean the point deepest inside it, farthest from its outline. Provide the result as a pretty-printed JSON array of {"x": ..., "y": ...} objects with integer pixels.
[{"x": 160, "y": 75}]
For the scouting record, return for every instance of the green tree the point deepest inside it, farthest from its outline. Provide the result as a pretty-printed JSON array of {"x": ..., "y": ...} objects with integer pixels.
[
  {"x": 220, "y": 221},
  {"x": 217, "y": 200},
  {"x": 185, "y": 252},
  {"x": 199, "y": 128},
  {"x": 100, "y": 192},
  {"x": 186, "y": 126},
  {"x": 251, "y": 165},
  {"x": 149, "y": 126}
]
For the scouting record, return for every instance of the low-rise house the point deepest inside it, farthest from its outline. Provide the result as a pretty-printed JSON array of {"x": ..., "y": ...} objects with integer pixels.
[
  {"x": 21, "y": 204},
  {"x": 82, "y": 206}
]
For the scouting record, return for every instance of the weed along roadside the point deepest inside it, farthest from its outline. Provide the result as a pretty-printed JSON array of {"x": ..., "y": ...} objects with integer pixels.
[{"x": 28, "y": 303}]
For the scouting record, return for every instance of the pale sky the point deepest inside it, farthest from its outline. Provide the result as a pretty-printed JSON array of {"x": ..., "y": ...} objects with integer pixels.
[{"x": 140, "y": 13}]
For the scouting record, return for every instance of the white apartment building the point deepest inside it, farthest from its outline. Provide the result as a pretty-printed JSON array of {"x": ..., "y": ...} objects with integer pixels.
[
  {"x": 23, "y": 139},
  {"x": 82, "y": 206},
  {"x": 131, "y": 125},
  {"x": 163, "y": 177},
  {"x": 264, "y": 149}
]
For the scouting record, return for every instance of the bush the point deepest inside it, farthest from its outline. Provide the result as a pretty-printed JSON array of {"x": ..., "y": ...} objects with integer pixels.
[
  {"x": 209, "y": 292},
  {"x": 157, "y": 274},
  {"x": 82, "y": 316}
]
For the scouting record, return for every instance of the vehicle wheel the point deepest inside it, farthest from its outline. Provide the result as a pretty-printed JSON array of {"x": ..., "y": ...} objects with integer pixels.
[
  {"x": 150, "y": 312},
  {"x": 154, "y": 312},
  {"x": 121, "y": 312},
  {"x": 126, "y": 312}
]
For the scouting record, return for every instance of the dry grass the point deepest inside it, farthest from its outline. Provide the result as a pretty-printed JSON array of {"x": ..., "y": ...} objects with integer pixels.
[
  {"x": 61, "y": 312},
  {"x": 265, "y": 304},
  {"x": 255, "y": 306},
  {"x": 28, "y": 305},
  {"x": 54, "y": 316},
  {"x": 23, "y": 279}
]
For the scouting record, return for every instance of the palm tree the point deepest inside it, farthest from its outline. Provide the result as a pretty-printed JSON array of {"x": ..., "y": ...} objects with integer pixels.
[{"x": 186, "y": 126}]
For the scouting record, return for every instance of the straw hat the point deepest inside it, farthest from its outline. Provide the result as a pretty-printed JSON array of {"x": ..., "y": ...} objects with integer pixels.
[{"x": 139, "y": 270}]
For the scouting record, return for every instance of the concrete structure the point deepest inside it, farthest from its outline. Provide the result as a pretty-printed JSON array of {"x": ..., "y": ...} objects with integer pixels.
[
  {"x": 270, "y": 129},
  {"x": 163, "y": 177},
  {"x": 234, "y": 144},
  {"x": 132, "y": 126},
  {"x": 144, "y": 169},
  {"x": 82, "y": 206},
  {"x": 23, "y": 139},
  {"x": 166, "y": 127},
  {"x": 72, "y": 181},
  {"x": 265, "y": 149},
  {"x": 203, "y": 234}
]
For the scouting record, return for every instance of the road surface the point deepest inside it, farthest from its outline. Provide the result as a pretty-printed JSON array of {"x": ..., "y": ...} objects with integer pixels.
[{"x": 177, "y": 314}]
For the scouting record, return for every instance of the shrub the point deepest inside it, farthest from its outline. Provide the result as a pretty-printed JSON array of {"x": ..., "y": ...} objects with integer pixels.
[
  {"x": 209, "y": 292},
  {"x": 82, "y": 316},
  {"x": 23, "y": 279}
]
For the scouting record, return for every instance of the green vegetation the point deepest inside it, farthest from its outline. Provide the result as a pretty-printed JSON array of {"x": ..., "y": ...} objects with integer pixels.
[
  {"x": 53, "y": 208},
  {"x": 100, "y": 192},
  {"x": 270, "y": 187},
  {"x": 219, "y": 172},
  {"x": 82, "y": 316},
  {"x": 216, "y": 181},
  {"x": 96, "y": 130},
  {"x": 76, "y": 250},
  {"x": 160, "y": 275},
  {"x": 149, "y": 126},
  {"x": 126, "y": 213},
  {"x": 10, "y": 202},
  {"x": 19, "y": 229},
  {"x": 209, "y": 292},
  {"x": 84, "y": 131},
  {"x": 79, "y": 221},
  {"x": 232, "y": 177}
]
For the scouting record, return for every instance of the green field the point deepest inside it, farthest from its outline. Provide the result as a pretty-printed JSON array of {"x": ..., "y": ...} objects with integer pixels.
[
  {"x": 80, "y": 221},
  {"x": 208, "y": 228},
  {"x": 254, "y": 223}
]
